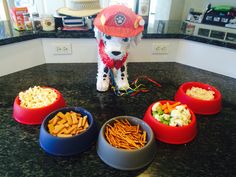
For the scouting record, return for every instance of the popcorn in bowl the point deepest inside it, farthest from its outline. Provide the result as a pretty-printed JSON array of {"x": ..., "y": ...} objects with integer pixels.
[
  {"x": 33, "y": 105},
  {"x": 37, "y": 97},
  {"x": 203, "y": 98},
  {"x": 200, "y": 93}
]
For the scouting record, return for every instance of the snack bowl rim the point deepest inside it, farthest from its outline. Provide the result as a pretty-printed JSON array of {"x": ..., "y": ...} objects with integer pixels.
[
  {"x": 48, "y": 118},
  {"x": 199, "y": 106},
  {"x": 89, "y": 134},
  {"x": 59, "y": 95},
  {"x": 35, "y": 116},
  {"x": 129, "y": 155},
  {"x": 193, "y": 117},
  {"x": 132, "y": 118},
  {"x": 203, "y": 86},
  {"x": 156, "y": 125}
]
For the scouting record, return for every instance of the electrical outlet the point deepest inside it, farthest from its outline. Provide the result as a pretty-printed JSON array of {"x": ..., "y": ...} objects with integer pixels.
[
  {"x": 62, "y": 49},
  {"x": 160, "y": 48}
]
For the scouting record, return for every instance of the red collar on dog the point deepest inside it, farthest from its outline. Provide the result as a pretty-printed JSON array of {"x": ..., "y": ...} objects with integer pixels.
[{"x": 110, "y": 63}]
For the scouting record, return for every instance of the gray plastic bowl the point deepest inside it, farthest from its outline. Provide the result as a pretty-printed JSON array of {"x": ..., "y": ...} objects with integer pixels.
[{"x": 127, "y": 159}]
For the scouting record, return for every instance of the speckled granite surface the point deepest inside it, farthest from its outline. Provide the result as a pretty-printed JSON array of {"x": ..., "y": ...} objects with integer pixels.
[
  {"x": 212, "y": 153},
  {"x": 8, "y": 35}
]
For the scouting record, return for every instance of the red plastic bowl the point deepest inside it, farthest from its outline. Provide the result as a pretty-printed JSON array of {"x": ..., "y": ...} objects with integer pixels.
[
  {"x": 169, "y": 134},
  {"x": 35, "y": 116},
  {"x": 205, "y": 107}
]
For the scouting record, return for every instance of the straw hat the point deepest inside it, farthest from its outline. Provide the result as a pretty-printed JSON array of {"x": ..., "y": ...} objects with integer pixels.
[
  {"x": 80, "y": 8},
  {"x": 119, "y": 21}
]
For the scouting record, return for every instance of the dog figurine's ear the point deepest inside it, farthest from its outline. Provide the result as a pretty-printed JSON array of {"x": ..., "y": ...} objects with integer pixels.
[
  {"x": 135, "y": 40},
  {"x": 97, "y": 34}
]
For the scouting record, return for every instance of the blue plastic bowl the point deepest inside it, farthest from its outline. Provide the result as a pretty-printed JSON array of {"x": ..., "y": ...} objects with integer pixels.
[{"x": 71, "y": 145}]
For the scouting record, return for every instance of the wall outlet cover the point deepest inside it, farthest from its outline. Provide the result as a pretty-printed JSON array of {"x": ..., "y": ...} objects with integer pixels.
[
  {"x": 62, "y": 49},
  {"x": 160, "y": 48}
]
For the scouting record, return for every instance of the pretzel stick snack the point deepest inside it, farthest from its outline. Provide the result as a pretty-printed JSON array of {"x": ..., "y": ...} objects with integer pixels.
[{"x": 123, "y": 135}]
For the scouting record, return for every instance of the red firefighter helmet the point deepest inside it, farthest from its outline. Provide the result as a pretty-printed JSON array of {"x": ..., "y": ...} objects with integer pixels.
[{"x": 119, "y": 21}]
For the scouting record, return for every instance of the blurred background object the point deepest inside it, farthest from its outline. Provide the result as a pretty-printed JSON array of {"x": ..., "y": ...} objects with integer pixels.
[{"x": 219, "y": 15}]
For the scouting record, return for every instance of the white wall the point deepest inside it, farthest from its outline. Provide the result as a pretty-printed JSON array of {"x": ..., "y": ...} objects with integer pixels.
[
  {"x": 163, "y": 9},
  {"x": 143, "y": 51},
  {"x": 23, "y": 55},
  {"x": 19, "y": 56},
  {"x": 208, "y": 57},
  {"x": 85, "y": 51},
  {"x": 50, "y": 6},
  {"x": 176, "y": 11},
  {"x": 2, "y": 11},
  {"x": 168, "y": 9}
]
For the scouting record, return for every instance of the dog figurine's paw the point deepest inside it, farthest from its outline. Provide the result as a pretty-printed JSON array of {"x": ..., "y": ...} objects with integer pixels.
[{"x": 103, "y": 85}]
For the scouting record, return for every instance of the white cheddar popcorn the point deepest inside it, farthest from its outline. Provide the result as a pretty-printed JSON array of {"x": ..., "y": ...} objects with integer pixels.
[
  {"x": 200, "y": 93},
  {"x": 37, "y": 97}
]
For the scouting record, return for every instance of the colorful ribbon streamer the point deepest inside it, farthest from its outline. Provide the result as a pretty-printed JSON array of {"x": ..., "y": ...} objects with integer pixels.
[{"x": 134, "y": 88}]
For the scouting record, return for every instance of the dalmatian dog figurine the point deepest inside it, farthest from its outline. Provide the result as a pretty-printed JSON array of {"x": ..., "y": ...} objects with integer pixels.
[{"x": 116, "y": 28}]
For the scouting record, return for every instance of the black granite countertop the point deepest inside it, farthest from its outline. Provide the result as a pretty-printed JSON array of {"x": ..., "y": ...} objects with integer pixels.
[
  {"x": 212, "y": 153},
  {"x": 174, "y": 30}
]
